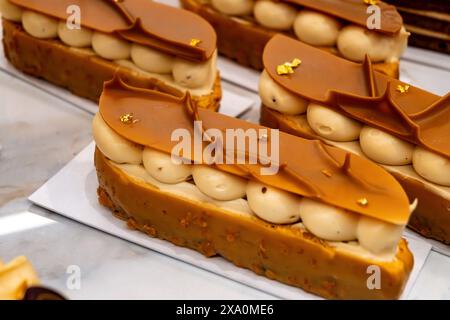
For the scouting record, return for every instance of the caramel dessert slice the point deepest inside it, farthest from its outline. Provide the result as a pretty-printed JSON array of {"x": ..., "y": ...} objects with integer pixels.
[
  {"x": 318, "y": 222},
  {"x": 351, "y": 106},
  {"x": 337, "y": 26},
  {"x": 19, "y": 281},
  {"x": 428, "y": 22},
  {"x": 150, "y": 45}
]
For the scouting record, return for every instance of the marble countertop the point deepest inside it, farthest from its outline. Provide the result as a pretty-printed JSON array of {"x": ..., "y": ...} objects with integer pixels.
[{"x": 39, "y": 134}]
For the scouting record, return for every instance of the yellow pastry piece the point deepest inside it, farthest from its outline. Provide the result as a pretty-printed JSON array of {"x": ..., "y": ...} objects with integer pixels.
[{"x": 16, "y": 277}]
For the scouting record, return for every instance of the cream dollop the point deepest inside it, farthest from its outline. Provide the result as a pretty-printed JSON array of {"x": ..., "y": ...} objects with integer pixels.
[
  {"x": 10, "y": 11},
  {"x": 191, "y": 74},
  {"x": 276, "y": 97},
  {"x": 234, "y": 7},
  {"x": 331, "y": 124},
  {"x": 151, "y": 60},
  {"x": 328, "y": 222},
  {"x": 355, "y": 42},
  {"x": 273, "y": 205},
  {"x": 161, "y": 167},
  {"x": 112, "y": 145},
  {"x": 316, "y": 28},
  {"x": 110, "y": 47},
  {"x": 378, "y": 236},
  {"x": 431, "y": 166},
  {"x": 274, "y": 15},
  {"x": 39, "y": 25},
  {"x": 78, "y": 38},
  {"x": 217, "y": 184},
  {"x": 384, "y": 148}
]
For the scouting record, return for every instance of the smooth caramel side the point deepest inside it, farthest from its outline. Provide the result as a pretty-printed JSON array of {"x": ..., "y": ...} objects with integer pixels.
[
  {"x": 432, "y": 215},
  {"x": 232, "y": 32},
  {"x": 80, "y": 73},
  {"x": 284, "y": 254}
]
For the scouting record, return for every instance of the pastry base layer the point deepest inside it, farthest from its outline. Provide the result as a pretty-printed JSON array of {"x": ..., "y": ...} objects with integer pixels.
[
  {"x": 288, "y": 255},
  {"x": 244, "y": 41},
  {"x": 432, "y": 215},
  {"x": 78, "y": 72},
  {"x": 428, "y": 42}
]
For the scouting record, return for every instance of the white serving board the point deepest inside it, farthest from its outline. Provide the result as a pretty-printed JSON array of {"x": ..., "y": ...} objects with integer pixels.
[{"x": 73, "y": 193}]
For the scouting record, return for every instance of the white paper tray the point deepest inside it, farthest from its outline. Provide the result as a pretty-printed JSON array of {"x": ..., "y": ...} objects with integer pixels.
[{"x": 73, "y": 193}]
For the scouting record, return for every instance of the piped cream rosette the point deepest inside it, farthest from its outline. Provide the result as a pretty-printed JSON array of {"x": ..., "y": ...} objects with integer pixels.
[
  {"x": 198, "y": 77},
  {"x": 318, "y": 29},
  {"x": 347, "y": 133},
  {"x": 341, "y": 228}
]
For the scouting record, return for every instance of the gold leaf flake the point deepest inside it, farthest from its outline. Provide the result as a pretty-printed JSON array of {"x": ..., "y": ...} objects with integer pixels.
[
  {"x": 403, "y": 88},
  {"x": 288, "y": 67},
  {"x": 195, "y": 42}
]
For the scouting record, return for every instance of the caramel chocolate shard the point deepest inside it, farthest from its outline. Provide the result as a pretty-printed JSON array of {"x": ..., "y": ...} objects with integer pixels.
[
  {"x": 356, "y": 11},
  {"x": 42, "y": 293},
  {"x": 356, "y": 90},
  {"x": 288, "y": 255},
  {"x": 301, "y": 164},
  {"x": 141, "y": 21}
]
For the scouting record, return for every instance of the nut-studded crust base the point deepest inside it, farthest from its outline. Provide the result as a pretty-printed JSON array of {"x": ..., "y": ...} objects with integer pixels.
[
  {"x": 432, "y": 215},
  {"x": 244, "y": 41},
  {"x": 285, "y": 254},
  {"x": 80, "y": 73}
]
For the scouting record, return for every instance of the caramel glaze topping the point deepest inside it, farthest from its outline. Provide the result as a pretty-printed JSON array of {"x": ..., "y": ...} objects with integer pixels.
[
  {"x": 361, "y": 93},
  {"x": 355, "y": 11},
  {"x": 302, "y": 162},
  {"x": 141, "y": 21}
]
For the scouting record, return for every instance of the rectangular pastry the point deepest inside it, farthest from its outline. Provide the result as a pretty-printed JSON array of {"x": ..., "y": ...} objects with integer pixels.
[
  {"x": 81, "y": 44},
  {"x": 337, "y": 26},
  {"x": 403, "y": 128},
  {"x": 428, "y": 22},
  {"x": 315, "y": 217}
]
